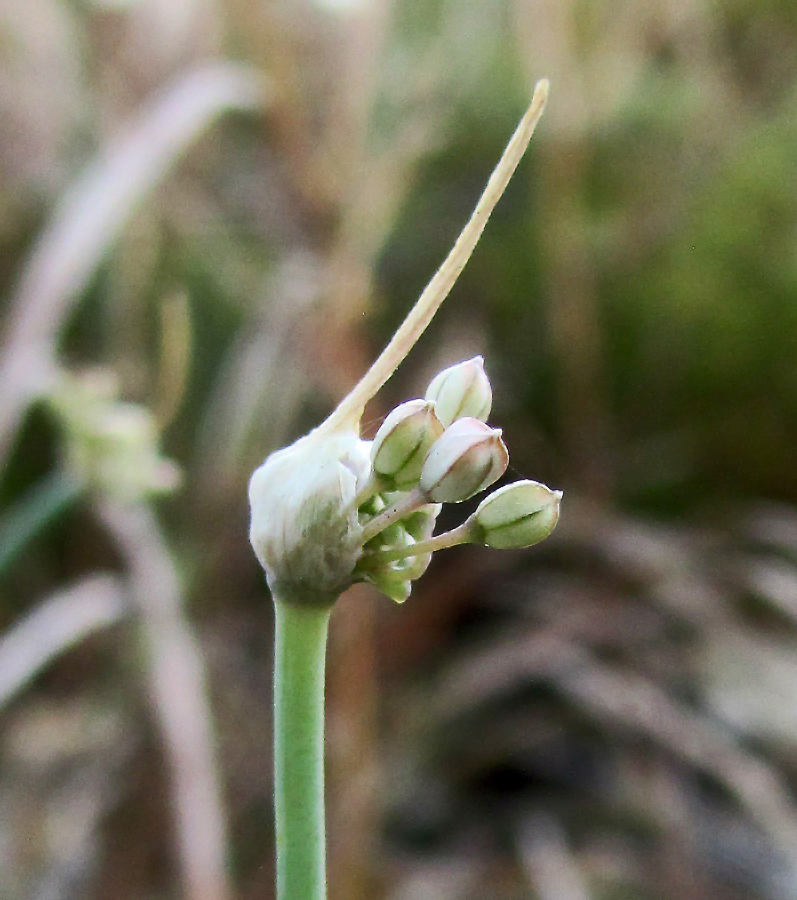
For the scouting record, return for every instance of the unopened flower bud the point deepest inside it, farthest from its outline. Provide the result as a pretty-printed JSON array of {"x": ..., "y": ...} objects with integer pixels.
[
  {"x": 392, "y": 583},
  {"x": 516, "y": 515},
  {"x": 468, "y": 458},
  {"x": 402, "y": 442},
  {"x": 461, "y": 390},
  {"x": 420, "y": 524}
]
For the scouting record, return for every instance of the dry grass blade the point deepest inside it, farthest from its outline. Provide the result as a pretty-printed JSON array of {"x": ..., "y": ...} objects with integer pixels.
[
  {"x": 54, "y": 626},
  {"x": 624, "y": 699},
  {"x": 630, "y": 701},
  {"x": 91, "y": 216},
  {"x": 550, "y": 866},
  {"x": 177, "y": 688}
]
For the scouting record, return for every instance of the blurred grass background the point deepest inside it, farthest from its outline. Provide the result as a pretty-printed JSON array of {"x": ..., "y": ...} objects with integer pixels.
[{"x": 227, "y": 208}]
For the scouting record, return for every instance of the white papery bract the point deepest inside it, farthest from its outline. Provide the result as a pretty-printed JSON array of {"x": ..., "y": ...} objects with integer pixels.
[{"x": 304, "y": 528}]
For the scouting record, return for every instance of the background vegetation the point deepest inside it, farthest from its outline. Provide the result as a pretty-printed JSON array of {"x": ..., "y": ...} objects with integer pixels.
[{"x": 226, "y": 207}]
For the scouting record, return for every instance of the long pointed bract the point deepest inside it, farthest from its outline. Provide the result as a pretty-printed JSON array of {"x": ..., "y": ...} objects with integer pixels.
[{"x": 350, "y": 409}]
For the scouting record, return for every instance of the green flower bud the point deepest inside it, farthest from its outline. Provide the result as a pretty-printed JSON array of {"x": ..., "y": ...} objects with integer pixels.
[
  {"x": 420, "y": 524},
  {"x": 395, "y": 577},
  {"x": 461, "y": 390},
  {"x": 395, "y": 585},
  {"x": 468, "y": 458},
  {"x": 414, "y": 566},
  {"x": 371, "y": 507},
  {"x": 516, "y": 515},
  {"x": 402, "y": 442}
]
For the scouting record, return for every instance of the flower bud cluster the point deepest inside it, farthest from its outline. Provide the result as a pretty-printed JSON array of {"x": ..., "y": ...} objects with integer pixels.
[
  {"x": 394, "y": 578},
  {"x": 440, "y": 450},
  {"x": 333, "y": 509}
]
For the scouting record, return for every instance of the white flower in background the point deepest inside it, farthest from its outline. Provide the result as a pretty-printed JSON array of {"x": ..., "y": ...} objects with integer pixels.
[{"x": 111, "y": 444}]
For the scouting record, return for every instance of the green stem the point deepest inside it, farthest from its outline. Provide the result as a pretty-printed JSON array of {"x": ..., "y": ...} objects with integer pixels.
[
  {"x": 402, "y": 507},
  {"x": 458, "y": 535},
  {"x": 301, "y": 637}
]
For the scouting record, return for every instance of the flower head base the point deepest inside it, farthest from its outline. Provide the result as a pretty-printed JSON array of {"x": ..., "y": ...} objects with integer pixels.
[
  {"x": 304, "y": 527},
  {"x": 333, "y": 509}
]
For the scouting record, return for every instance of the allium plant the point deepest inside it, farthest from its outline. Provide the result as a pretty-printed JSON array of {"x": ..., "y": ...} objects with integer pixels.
[{"x": 333, "y": 509}]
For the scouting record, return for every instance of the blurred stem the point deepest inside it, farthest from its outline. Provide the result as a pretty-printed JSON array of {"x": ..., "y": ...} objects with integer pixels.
[
  {"x": 43, "y": 503},
  {"x": 179, "y": 697},
  {"x": 574, "y": 318},
  {"x": 300, "y": 653}
]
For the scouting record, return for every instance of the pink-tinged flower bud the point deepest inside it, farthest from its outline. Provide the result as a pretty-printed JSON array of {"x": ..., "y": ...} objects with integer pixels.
[
  {"x": 461, "y": 390},
  {"x": 516, "y": 515},
  {"x": 468, "y": 458},
  {"x": 402, "y": 442}
]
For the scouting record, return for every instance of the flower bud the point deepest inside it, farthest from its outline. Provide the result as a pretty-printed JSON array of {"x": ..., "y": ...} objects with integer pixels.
[
  {"x": 468, "y": 457},
  {"x": 402, "y": 442},
  {"x": 420, "y": 525},
  {"x": 516, "y": 515},
  {"x": 461, "y": 390},
  {"x": 392, "y": 583}
]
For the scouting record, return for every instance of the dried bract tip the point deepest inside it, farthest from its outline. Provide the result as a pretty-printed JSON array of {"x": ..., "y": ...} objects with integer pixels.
[
  {"x": 402, "y": 442},
  {"x": 461, "y": 390},
  {"x": 516, "y": 515},
  {"x": 468, "y": 458}
]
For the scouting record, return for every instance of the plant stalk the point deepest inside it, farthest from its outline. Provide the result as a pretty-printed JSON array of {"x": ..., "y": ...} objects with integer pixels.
[
  {"x": 300, "y": 652},
  {"x": 458, "y": 535},
  {"x": 405, "y": 505}
]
